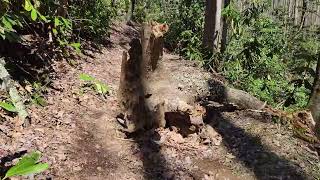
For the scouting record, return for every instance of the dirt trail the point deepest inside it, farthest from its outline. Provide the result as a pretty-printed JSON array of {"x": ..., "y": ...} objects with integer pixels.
[{"x": 78, "y": 135}]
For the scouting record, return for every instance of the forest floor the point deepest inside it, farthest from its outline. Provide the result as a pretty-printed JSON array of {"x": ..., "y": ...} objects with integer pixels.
[{"x": 79, "y": 135}]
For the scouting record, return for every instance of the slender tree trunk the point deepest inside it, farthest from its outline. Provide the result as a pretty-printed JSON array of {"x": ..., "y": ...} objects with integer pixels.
[
  {"x": 212, "y": 24},
  {"x": 113, "y": 3},
  {"x": 131, "y": 11},
  {"x": 296, "y": 12},
  {"x": 224, "y": 33},
  {"x": 303, "y": 14},
  {"x": 314, "y": 103},
  {"x": 63, "y": 8}
]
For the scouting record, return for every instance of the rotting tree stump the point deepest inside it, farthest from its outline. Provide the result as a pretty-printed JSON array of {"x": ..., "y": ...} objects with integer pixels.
[{"x": 161, "y": 92}]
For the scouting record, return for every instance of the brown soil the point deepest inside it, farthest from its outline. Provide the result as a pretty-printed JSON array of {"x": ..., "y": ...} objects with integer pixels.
[{"x": 80, "y": 138}]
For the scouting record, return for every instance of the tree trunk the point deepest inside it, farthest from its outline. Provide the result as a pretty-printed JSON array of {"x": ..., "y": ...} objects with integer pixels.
[
  {"x": 314, "y": 103},
  {"x": 144, "y": 55},
  {"x": 113, "y": 3},
  {"x": 296, "y": 12},
  {"x": 224, "y": 33},
  {"x": 131, "y": 10},
  {"x": 63, "y": 8},
  {"x": 303, "y": 14},
  {"x": 212, "y": 24}
]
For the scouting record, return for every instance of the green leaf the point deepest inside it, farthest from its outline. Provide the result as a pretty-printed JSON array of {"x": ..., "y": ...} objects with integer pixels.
[
  {"x": 8, "y": 106},
  {"x": 101, "y": 88},
  {"x": 33, "y": 169},
  {"x": 76, "y": 46},
  {"x": 40, "y": 101},
  {"x": 54, "y": 31},
  {"x": 43, "y": 18},
  {"x": 1, "y": 30},
  {"x": 37, "y": 168},
  {"x": 27, "y": 165},
  {"x": 27, "y": 5},
  {"x": 66, "y": 23},
  {"x": 7, "y": 23},
  {"x": 56, "y": 22},
  {"x": 34, "y": 14},
  {"x": 27, "y": 160},
  {"x": 86, "y": 77}
]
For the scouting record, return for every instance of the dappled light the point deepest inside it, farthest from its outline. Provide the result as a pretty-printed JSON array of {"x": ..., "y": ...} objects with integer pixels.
[{"x": 170, "y": 89}]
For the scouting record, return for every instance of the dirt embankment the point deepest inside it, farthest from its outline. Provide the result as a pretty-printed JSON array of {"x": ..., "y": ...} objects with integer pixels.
[{"x": 80, "y": 138}]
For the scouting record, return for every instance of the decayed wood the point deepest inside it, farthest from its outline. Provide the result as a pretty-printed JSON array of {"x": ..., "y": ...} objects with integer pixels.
[
  {"x": 314, "y": 104},
  {"x": 151, "y": 91},
  {"x": 143, "y": 58},
  {"x": 221, "y": 93},
  {"x": 152, "y": 45},
  {"x": 131, "y": 89}
]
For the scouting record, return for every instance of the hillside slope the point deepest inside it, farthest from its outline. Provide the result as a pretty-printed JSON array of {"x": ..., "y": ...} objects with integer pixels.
[{"x": 80, "y": 137}]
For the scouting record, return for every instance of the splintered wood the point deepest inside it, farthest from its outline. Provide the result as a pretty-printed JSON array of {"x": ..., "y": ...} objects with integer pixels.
[
  {"x": 143, "y": 58},
  {"x": 161, "y": 90},
  {"x": 144, "y": 101}
]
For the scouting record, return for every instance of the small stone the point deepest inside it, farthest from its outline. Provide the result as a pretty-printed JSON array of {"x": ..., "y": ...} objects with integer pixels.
[
  {"x": 77, "y": 168},
  {"x": 188, "y": 160},
  {"x": 99, "y": 168},
  {"x": 230, "y": 156}
]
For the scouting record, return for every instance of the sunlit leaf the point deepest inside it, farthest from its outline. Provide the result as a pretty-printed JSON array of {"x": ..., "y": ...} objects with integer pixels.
[
  {"x": 27, "y": 165},
  {"x": 101, "y": 88},
  {"x": 56, "y": 22},
  {"x": 6, "y": 22},
  {"x": 43, "y": 18},
  {"x": 34, "y": 14},
  {"x": 86, "y": 77},
  {"x": 54, "y": 31},
  {"x": 8, "y": 106},
  {"x": 27, "y": 5}
]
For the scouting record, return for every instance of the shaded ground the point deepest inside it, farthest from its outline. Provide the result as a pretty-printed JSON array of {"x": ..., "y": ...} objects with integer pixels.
[{"x": 78, "y": 135}]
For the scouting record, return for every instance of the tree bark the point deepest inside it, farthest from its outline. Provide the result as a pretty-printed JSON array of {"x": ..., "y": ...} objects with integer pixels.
[
  {"x": 143, "y": 59},
  {"x": 212, "y": 24},
  {"x": 113, "y": 3},
  {"x": 156, "y": 93},
  {"x": 63, "y": 8},
  {"x": 303, "y": 14},
  {"x": 224, "y": 33},
  {"x": 314, "y": 103},
  {"x": 131, "y": 10}
]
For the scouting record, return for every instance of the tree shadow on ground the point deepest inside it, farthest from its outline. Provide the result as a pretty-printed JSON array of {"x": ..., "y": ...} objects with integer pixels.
[
  {"x": 154, "y": 163},
  {"x": 250, "y": 151}
]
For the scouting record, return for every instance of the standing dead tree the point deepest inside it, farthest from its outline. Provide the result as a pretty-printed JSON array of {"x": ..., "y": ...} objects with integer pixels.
[
  {"x": 143, "y": 58},
  {"x": 164, "y": 93}
]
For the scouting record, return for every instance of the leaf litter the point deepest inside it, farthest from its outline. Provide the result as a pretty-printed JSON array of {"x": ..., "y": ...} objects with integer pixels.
[{"x": 77, "y": 135}]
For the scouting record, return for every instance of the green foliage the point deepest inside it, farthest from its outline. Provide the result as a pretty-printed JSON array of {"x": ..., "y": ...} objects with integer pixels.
[
  {"x": 263, "y": 58},
  {"x": 185, "y": 19},
  {"x": 99, "y": 87},
  {"x": 266, "y": 54},
  {"x": 16, "y": 15},
  {"x": 27, "y": 165},
  {"x": 92, "y": 18},
  {"x": 8, "y": 106},
  {"x": 37, "y": 94}
]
